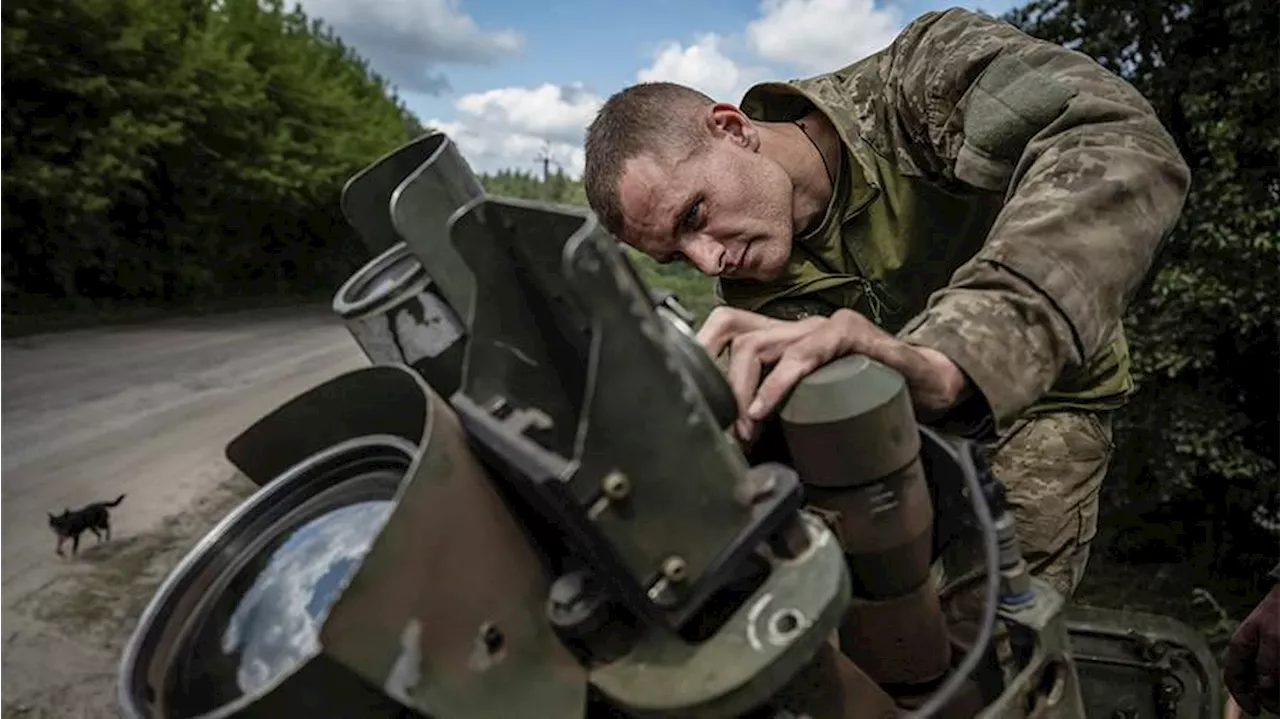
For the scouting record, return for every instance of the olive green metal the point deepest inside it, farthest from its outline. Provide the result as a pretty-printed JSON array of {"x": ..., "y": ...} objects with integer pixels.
[
  {"x": 566, "y": 328},
  {"x": 850, "y": 423},
  {"x": 711, "y": 382},
  {"x": 446, "y": 610},
  {"x": 434, "y": 159},
  {"x": 1134, "y": 664},
  {"x": 1045, "y": 684},
  {"x": 354, "y": 404},
  {"x": 766, "y": 642}
]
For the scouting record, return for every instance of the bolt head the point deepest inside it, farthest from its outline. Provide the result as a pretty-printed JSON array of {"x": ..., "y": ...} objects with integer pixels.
[
  {"x": 675, "y": 569},
  {"x": 616, "y": 485}
]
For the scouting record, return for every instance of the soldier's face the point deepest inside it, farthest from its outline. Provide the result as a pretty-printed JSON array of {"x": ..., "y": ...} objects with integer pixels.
[{"x": 726, "y": 210}]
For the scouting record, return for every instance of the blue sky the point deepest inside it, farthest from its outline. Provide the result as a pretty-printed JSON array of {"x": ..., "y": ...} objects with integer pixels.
[{"x": 508, "y": 79}]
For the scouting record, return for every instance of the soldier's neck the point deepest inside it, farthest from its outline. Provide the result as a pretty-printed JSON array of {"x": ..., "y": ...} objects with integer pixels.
[{"x": 809, "y": 151}]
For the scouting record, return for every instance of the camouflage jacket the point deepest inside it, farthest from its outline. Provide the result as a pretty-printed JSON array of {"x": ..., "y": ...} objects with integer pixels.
[{"x": 1002, "y": 200}]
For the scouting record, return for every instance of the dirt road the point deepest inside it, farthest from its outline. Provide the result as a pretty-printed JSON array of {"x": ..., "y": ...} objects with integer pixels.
[{"x": 141, "y": 411}]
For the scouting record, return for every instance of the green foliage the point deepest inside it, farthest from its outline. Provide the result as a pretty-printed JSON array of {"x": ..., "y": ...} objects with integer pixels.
[
  {"x": 180, "y": 150},
  {"x": 1202, "y": 431},
  {"x": 694, "y": 290}
]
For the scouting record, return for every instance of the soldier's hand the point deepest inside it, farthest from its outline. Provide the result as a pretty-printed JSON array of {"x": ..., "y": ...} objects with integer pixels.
[
  {"x": 1252, "y": 666},
  {"x": 769, "y": 356}
]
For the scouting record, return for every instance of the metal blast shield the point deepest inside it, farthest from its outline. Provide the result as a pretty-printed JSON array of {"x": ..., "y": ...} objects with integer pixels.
[
  {"x": 435, "y": 160},
  {"x": 573, "y": 393}
]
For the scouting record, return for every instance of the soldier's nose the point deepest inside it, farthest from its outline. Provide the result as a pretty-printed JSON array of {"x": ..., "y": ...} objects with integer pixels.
[{"x": 706, "y": 255}]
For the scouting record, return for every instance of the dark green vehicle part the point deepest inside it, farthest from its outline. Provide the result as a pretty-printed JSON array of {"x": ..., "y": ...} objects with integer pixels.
[
  {"x": 435, "y": 159},
  {"x": 513, "y": 546},
  {"x": 1134, "y": 664}
]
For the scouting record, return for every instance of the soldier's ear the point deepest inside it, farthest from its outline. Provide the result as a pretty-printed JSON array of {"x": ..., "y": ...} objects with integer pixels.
[{"x": 726, "y": 121}]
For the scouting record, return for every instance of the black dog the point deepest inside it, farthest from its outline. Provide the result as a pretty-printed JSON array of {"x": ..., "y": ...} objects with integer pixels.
[{"x": 96, "y": 518}]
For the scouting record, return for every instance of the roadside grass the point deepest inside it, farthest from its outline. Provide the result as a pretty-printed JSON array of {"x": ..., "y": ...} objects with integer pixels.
[
  {"x": 28, "y": 316},
  {"x": 104, "y": 597}
]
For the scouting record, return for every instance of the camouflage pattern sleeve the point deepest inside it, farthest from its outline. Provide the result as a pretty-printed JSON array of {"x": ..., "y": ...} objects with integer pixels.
[{"x": 1092, "y": 184}]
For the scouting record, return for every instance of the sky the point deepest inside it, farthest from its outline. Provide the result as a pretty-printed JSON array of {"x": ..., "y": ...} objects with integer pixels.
[{"x": 510, "y": 80}]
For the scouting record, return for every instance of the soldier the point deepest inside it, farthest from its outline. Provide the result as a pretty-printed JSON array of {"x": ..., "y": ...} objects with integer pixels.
[
  {"x": 1252, "y": 666},
  {"x": 971, "y": 206}
]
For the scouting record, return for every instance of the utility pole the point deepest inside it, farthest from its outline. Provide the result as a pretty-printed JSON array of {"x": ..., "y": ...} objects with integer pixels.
[{"x": 546, "y": 158}]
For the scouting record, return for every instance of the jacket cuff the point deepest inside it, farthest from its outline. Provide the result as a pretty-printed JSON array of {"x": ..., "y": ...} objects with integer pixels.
[{"x": 1010, "y": 348}]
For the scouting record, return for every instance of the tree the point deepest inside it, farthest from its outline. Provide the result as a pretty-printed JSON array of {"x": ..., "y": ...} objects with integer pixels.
[{"x": 178, "y": 150}]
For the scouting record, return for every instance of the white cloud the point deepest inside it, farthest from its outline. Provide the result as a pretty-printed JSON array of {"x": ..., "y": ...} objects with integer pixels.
[
  {"x": 490, "y": 150},
  {"x": 821, "y": 35},
  {"x": 277, "y": 622},
  {"x": 406, "y": 40},
  {"x": 512, "y": 126},
  {"x": 555, "y": 112},
  {"x": 703, "y": 66}
]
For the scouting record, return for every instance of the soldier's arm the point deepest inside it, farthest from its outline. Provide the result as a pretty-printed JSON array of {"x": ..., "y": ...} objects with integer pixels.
[{"x": 1092, "y": 183}]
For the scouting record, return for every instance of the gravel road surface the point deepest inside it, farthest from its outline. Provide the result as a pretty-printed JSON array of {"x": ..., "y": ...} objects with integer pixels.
[{"x": 144, "y": 411}]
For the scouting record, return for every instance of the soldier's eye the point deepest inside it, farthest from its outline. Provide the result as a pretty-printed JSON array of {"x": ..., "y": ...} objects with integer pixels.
[{"x": 692, "y": 217}]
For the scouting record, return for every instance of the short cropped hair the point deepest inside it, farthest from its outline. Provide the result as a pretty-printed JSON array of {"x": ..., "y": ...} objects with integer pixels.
[{"x": 650, "y": 117}]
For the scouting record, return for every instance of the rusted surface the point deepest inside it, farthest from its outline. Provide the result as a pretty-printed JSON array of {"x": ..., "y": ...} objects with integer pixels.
[
  {"x": 966, "y": 704},
  {"x": 898, "y": 641},
  {"x": 833, "y": 687}
]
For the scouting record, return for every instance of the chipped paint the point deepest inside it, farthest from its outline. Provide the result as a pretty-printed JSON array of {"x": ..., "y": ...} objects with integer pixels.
[{"x": 406, "y": 671}]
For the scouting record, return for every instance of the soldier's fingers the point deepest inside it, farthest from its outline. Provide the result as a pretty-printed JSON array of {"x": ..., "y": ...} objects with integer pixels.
[
  {"x": 725, "y": 323},
  {"x": 747, "y": 430},
  {"x": 797, "y": 362},
  {"x": 744, "y": 372}
]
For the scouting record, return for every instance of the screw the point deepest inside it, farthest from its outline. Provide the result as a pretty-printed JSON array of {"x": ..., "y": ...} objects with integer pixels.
[
  {"x": 566, "y": 592},
  {"x": 616, "y": 486},
  {"x": 675, "y": 569}
]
